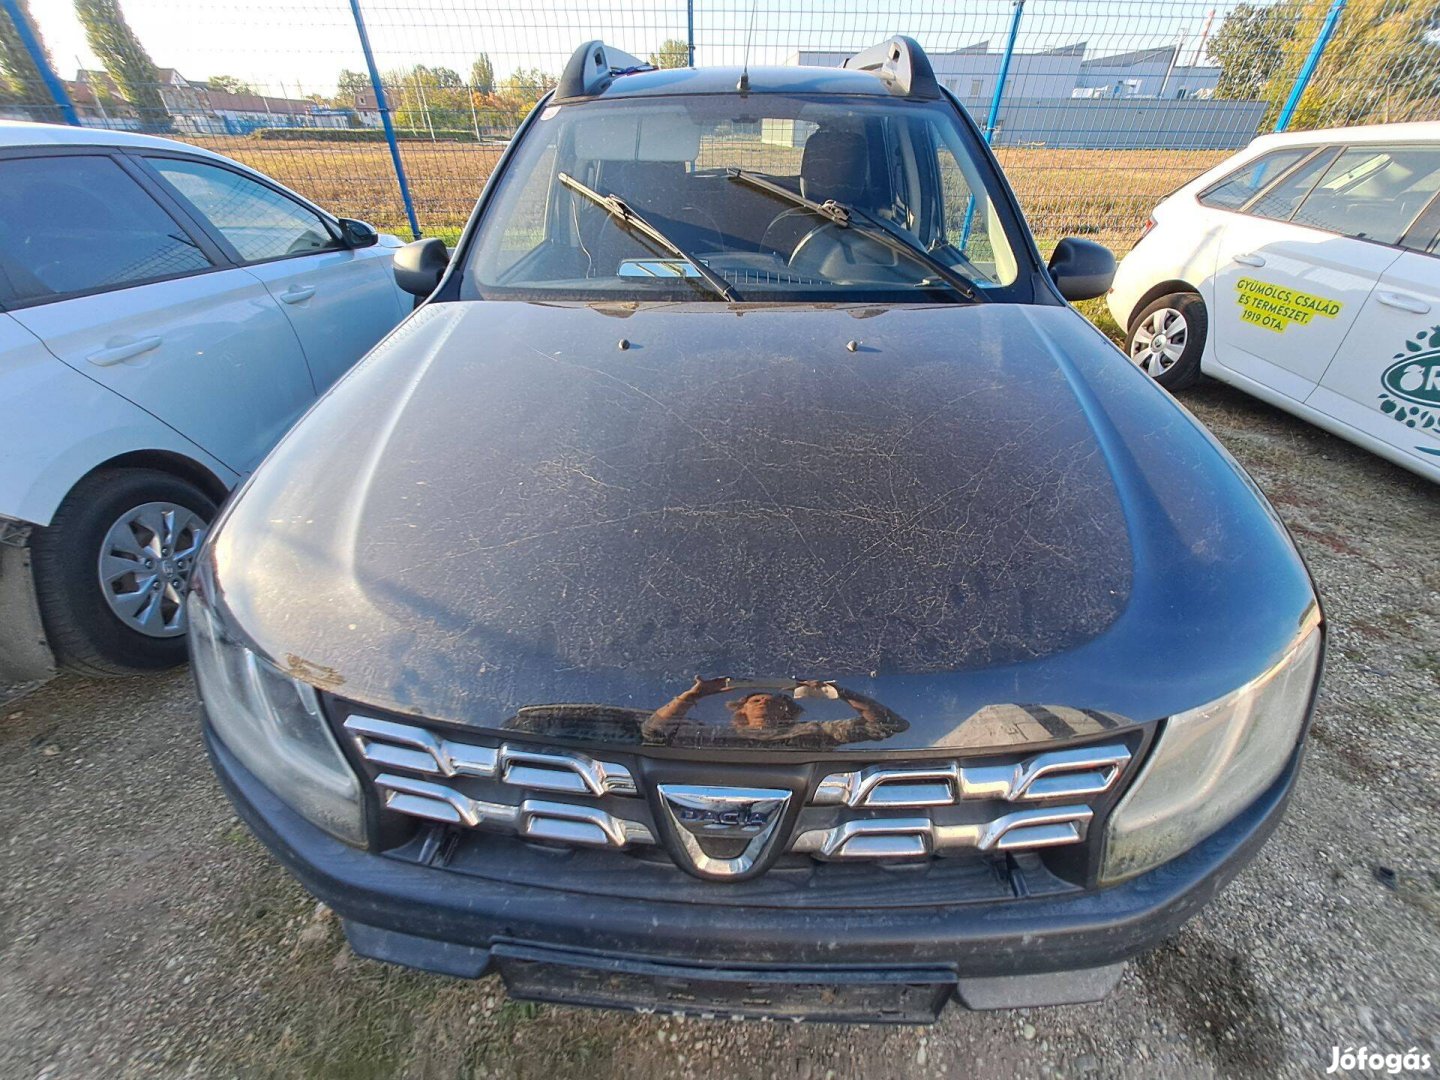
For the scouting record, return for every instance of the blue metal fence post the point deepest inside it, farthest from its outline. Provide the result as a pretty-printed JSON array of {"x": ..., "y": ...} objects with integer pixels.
[
  {"x": 994, "y": 117},
  {"x": 1307, "y": 69},
  {"x": 384, "y": 107},
  {"x": 26, "y": 33},
  {"x": 690, "y": 29}
]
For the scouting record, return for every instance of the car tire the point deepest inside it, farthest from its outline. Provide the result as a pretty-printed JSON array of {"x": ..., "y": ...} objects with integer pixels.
[
  {"x": 109, "y": 520},
  {"x": 1179, "y": 323}
]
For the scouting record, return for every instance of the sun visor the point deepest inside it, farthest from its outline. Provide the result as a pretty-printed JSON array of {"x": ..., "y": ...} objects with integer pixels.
[{"x": 651, "y": 136}]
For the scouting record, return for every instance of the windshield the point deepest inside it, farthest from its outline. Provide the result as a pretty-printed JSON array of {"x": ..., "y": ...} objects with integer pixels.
[{"x": 922, "y": 224}]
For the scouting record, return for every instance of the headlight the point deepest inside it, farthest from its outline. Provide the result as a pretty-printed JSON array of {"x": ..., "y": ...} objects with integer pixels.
[
  {"x": 273, "y": 724},
  {"x": 1210, "y": 763}
]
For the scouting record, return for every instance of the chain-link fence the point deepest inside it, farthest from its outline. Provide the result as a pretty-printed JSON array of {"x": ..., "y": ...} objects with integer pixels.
[{"x": 1097, "y": 108}]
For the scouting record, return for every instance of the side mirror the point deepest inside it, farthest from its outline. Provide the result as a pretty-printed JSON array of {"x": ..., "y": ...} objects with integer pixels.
[
  {"x": 358, "y": 234},
  {"x": 1082, "y": 269},
  {"x": 419, "y": 266}
]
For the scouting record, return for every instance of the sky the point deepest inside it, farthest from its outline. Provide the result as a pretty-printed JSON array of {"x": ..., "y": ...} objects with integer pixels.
[{"x": 299, "y": 46}]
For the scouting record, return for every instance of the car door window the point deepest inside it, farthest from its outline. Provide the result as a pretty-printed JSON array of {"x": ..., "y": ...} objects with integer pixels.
[
  {"x": 1422, "y": 233},
  {"x": 76, "y": 223},
  {"x": 1250, "y": 179},
  {"x": 259, "y": 222},
  {"x": 967, "y": 222},
  {"x": 1280, "y": 202},
  {"x": 1373, "y": 193},
  {"x": 525, "y": 229}
]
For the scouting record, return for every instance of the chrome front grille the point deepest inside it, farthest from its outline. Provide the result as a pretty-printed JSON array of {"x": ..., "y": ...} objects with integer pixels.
[
  {"x": 1056, "y": 774},
  {"x": 537, "y": 819},
  {"x": 404, "y": 746},
  {"x": 949, "y": 806},
  {"x": 918, "y": 837}
]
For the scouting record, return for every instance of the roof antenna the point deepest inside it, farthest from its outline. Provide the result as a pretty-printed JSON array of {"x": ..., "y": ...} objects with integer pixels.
[{"x": 743, "y": 86}]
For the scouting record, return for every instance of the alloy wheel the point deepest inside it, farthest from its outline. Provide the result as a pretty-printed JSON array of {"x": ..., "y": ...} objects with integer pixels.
[{"x": 145, "y": 564}]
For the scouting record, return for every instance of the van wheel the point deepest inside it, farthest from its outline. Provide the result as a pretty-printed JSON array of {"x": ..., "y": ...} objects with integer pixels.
[
  {"x": 112, "y": 570},
  {"x": 1167, "y": 338}
]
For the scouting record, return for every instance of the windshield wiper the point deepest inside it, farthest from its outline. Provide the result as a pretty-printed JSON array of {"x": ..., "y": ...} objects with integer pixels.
[
  {"x": 624, "y": 213},
  {"x": 850, "y": 217}
]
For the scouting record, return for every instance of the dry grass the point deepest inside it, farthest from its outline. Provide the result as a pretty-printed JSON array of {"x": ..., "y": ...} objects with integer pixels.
[
  {"x": 1105, "y": 194},
  {"x": 358, "y": 180}
]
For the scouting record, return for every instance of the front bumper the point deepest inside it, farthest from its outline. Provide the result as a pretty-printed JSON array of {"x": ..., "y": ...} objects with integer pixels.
[{"x": 876, "y": 964}]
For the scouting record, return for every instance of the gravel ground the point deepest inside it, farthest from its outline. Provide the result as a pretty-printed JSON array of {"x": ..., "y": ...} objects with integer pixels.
[{"x": 143, "y": 931}]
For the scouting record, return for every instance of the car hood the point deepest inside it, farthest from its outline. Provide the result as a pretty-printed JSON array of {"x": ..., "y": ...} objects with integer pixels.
[{"x": 786, "y": 528}]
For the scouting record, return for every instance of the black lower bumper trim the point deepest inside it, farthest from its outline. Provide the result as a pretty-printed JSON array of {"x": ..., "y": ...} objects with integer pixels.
[
  {"x": 1032, "y": 951},
  {"x": 896, "y": 996},
  {"x": 903, "y": 996}
]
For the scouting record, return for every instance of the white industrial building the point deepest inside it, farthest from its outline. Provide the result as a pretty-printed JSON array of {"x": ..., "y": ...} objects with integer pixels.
[
  {"x": 1146, "y": 98},
  {"x": 971, "y": 73}
]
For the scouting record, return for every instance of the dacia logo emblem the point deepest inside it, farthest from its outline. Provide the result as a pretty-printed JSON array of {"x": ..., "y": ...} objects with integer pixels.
[{"x": 723, "y": 832}]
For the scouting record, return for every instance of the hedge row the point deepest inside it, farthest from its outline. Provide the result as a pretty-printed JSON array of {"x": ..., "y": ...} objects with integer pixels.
[{"x": 340, "y": 135}]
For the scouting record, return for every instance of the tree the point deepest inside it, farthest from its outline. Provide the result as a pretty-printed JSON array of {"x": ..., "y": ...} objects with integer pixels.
[
  {"x": 429, "y": 100},
  {"x": 230, "y": 84},
  {"x": 528, "y": 85},
  {"x": 1250, "y": 47},
  {"x": 351, "y": 84},
  {"x": 482, "y": 75},
  {"x": 105, "y": 92},
  {"x": 20, "y": 80},
  {"x": 112, "y": 40},
  {"x": 1379, "y": 68},
  {"x": 443, "y": 77},
  {"x": 673, "y": 53}
]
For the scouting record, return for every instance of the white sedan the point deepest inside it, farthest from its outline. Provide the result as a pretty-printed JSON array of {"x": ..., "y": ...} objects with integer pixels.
[
  {"x": 1304, "y": 270},
  {"x": 165, "y": 315}
]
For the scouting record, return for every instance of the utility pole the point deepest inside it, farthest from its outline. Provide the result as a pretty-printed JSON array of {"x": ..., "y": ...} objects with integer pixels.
[
  {"x": 1174, "y": 59},
  {"x": 424, "y": 105},
  {"x": 1204, "y": 37}
]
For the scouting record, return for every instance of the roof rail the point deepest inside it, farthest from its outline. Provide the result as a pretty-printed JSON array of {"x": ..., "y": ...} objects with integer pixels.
[
  {"x": 902, "y": 64},
  {"x": 592, "y": 68}
]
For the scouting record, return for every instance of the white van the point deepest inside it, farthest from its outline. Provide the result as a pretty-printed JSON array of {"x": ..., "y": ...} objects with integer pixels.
[
  {"x": 1304, "y": 270},
  {"x": 165, "y": 314}
]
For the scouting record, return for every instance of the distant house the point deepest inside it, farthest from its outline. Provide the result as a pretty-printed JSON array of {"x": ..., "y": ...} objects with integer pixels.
[
  {"x": 196, "y": 108},
  {"x": 99, "y": 103},
  {"x": 184, "y": 102},
  {"x": 241, "y": 113},
  {"x": 367, "y": 108}
]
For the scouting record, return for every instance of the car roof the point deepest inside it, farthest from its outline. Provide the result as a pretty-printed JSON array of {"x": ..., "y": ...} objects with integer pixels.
[
  {"x": 1419, "y": 131},
  {"x": 15, "y": 133},
  {"x": 789, "y": 79}
]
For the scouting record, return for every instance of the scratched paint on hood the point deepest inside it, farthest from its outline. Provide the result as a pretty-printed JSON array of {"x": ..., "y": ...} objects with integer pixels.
[{"x": 502, "y": 509}]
